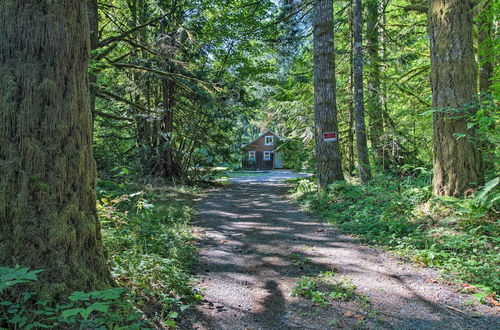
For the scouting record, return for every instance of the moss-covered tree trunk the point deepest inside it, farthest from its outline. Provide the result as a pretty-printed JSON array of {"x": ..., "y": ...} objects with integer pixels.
[
  {"x": 47, "y": 171},
  {"x": 328, "y": 157},
  {"x": 351, "y": 130},
  {"x": 486, "y": 49},
  {"x": 486, "y": 56},
  {"x": 457, "y": 161},
  {"x": 359, "y": 109}
]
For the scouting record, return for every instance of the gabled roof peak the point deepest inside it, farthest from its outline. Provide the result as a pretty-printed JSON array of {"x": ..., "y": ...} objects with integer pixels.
[{"x": 261, "y": 135}]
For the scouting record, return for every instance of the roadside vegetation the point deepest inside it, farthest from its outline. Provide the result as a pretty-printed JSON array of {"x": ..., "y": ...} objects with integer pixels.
[
  {"x": 324, "y": 288},
  {"x": 458, "y": 236},
  {"x": 147, "y": 233},
  {"x": 327, "y": 288}
]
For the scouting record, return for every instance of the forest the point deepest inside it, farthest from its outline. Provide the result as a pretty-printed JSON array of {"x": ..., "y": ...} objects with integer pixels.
[{"x": 124, "y": 203}]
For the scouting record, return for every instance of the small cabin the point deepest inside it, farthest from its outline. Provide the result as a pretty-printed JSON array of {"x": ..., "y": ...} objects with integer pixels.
[{"x": 263, "y": 153}]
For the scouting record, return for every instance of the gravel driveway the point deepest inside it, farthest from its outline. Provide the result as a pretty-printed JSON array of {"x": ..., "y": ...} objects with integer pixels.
[
  {"x": 267, "y": 176},
  {"x": 255, "y": 244}
]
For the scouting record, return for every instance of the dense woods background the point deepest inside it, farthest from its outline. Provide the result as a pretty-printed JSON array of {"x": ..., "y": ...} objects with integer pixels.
[
  {"x": 184, "y": 84},
  {"x": 174, "y": 88}
]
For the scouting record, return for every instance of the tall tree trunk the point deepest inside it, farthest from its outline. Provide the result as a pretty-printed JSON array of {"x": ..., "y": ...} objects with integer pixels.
[
  {"x": 486, "y": 55},
  {"x": 486, "y": 51},
  {"x": 350, "y": 143},
  {"x": 137, "y": 17},
  {"x": 362, "y": 150},
  {"x": 93, "y": 14},
  {"x": 383, "y": 94},
  {"x": 167, "y": 127},
  {"x": 47, "y": 171},
  {"x": 374, "y": 103},
  {"x": 328, "y": 157},
  {"x": 457, "y": 161},
  {"x": 350, "y": 105}
]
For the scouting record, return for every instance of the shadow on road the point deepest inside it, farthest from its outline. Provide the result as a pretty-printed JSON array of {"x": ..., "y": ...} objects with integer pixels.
[{"x": 250, "y": 232}]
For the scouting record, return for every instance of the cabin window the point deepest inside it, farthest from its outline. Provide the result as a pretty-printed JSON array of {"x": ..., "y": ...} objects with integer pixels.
[
  {"x": 267, "y": 155},
  {"x": 251, "y": 155},
  {"x": 269, "y": 140}
]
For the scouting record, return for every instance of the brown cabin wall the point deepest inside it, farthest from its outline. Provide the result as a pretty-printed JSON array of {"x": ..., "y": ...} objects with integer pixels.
[
  {"x": 259, "y": 147},
  {"x": 260, "y": 144}
]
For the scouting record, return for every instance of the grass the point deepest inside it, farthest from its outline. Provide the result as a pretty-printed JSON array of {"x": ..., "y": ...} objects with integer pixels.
[{"x": 458, "y": 236}]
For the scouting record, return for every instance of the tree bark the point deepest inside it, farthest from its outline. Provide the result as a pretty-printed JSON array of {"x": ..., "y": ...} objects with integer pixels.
[
  {"x": 383, "y": 95},
  {"x": 359, "y": 111},
  {"x": 486, "y": 55},
  {"x": 93, "y": 15},
  {"x": 47, "y": 171},
  {"x": 167, "y": 127},
  {"x": 350, "y": 105},
  {"x": 328, "y": 157},
  {"x": 457, "y": 161},
  {"x": 485, "y": 50},
  {"x": 374, "y": 102},
  {"x": 383, "y": 69}
]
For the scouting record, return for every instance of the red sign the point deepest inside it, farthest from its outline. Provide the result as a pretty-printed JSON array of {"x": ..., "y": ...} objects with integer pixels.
[{"x": 330, "y": 136}]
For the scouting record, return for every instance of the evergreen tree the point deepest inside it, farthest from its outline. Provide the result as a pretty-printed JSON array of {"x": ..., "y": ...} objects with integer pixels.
[
  {"x": 328, "y": 157},
  {"x": 457, "y": 158},
  {"x": 359, "y": 110},
  {"x": 374, "y": 102},
  {"x": 47, "y": 170}
]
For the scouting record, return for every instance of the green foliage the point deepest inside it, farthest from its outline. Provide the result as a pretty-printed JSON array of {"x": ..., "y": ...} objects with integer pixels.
[
  {"x": 106, "y": 309},
  {"x": 487, "y": 198},
  {"x": 97, "y": 309},
  {"x": 12, "y": 276},
  {"x": 460, "y": 236},
  {"x": 324, "y": 288},
  {"x": 148, "y": 236},
  {"x": 299, "y": 261},
  {"x": 147, "y": 233},
  {"x": 205, "y": 51}
]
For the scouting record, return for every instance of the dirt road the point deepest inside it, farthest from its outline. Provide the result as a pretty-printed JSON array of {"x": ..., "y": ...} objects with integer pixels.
[{"x": 256, "y": 244}]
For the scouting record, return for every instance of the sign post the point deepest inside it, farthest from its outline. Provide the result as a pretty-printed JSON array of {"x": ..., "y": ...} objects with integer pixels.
[{"x": 330, "y": 136}]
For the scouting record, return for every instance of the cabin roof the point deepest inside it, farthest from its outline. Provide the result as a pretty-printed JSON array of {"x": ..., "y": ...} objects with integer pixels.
[{"x": 268, "y": 131}]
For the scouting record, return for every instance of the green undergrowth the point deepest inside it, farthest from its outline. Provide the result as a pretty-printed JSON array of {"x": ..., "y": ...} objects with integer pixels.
[
  {"x": 105, "y": 309},
  {"x": 328, "y": 288},
  {"x": 458, "y": 236},
  {"x": 324, "y": 288},
  {"x": 147, "y": 234}
]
